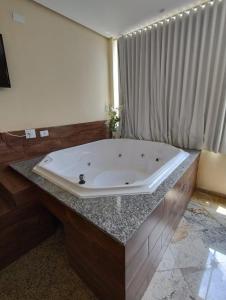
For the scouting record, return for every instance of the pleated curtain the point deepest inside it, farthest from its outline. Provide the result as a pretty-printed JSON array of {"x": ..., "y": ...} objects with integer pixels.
[{"x": 172, "y": 80}]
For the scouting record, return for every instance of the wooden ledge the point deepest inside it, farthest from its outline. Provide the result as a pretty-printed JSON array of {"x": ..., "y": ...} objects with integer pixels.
[{"x": 14, "y": 188}]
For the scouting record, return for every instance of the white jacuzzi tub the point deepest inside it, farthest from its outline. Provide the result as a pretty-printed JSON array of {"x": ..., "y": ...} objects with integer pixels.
[{"x": 111, "y": 167}]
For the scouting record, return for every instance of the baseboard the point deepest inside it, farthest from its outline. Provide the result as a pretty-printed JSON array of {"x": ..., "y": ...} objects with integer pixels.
[{"x": 211, "y": 192}]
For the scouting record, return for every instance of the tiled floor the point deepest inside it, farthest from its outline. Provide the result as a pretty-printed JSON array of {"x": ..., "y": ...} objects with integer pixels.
[{"x": 193, "y": 267}]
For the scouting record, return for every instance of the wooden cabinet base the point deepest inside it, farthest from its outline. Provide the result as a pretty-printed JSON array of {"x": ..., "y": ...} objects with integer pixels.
[
  {"x": 96, "y": 258},
  {"x": 117, "y": 272},
  {"x": 112, "y": 270},
  {"x": 34, "y": 224},
  {"x": 24, "y": 222}
]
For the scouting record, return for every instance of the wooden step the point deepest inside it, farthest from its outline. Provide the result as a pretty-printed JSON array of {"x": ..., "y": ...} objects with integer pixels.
[
  {"x": 24, "y": 221},
  {"x": 5, "y": 207},
  {"x": 14, "y": 188}
]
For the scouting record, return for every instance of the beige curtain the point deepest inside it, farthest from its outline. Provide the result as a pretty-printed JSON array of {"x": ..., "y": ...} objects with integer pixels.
[{"x": 173, "y": 80}]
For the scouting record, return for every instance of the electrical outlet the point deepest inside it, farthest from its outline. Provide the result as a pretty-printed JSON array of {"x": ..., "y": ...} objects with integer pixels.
[
  {"x": 30, "y": 133},
  {"x": 44, "y": 133}
]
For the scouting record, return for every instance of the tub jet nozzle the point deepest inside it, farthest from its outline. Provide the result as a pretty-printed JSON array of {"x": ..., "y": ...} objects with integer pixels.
[{"x": 81, "y": 179}]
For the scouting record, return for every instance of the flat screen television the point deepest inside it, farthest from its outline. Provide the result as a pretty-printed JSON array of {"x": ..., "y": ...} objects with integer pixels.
[{"x": 4, "y": 75}]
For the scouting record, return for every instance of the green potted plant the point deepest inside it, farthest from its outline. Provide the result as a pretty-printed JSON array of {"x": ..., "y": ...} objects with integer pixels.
[{"x": 113, "y": 120}]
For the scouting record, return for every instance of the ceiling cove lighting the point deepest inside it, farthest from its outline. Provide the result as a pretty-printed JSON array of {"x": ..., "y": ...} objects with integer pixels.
[{"x": 172, "y": 18}]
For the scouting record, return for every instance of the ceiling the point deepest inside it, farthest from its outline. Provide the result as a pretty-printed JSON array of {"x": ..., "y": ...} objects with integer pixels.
[{"x": 113, "y": 17}]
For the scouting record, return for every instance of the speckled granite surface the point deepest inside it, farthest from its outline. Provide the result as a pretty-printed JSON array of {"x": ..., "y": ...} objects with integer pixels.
[{"x": 119, "y": 216}]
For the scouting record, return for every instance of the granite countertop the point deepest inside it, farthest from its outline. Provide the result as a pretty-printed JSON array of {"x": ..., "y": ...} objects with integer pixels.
[{"x": 118, "y": 216}]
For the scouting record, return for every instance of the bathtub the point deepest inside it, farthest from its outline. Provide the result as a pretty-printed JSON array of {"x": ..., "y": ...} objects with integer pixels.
[{"x": 111, "y": 167}]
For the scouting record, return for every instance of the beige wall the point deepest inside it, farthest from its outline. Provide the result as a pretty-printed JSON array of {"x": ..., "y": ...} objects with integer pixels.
[
  {"x": 212, "y": 172},
  {"x": 59, "y": 73},
  {"x": 58, "y": 69}
]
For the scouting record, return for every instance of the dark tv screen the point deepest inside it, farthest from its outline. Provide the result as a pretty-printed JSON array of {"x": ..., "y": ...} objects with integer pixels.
[{"x": 4, "y": 75}]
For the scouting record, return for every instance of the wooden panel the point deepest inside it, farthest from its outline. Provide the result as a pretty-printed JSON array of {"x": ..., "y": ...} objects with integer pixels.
[
  {"x": 22, "y": 229},
  {"x": 157, "y": 232},
  {"x": 117, "y": 272},
  {"x": 24, "y": 222},
  {"x": 5, "y": 206},
  {"x": 14, "y": 148},
  {"x": 144, "y": 275},
  {"x": 97, "y": 258},
  {"x": 137, "y": 262},
  {"x": 15, "y": 188},
  {"x": 53, "y": 205},
  {"x": 212, "y": 193},
  {"x": 114, "y": 271},
  {"x": 133, "y": 245}
]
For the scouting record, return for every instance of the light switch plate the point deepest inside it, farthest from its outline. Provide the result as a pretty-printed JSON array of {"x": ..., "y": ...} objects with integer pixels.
[
  {"x": 18, "y": 18},
  {"x": 30, "y": 133},
  {"x": 44, "y": 133}
]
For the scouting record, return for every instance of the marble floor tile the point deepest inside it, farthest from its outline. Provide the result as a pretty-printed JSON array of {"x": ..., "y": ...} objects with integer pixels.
[
  {"x": 167, "y": 285},
  {"x": 207, "y": 284},
  {"x": 194, "y": 265},
  {"x": 214, "y": 205},
  {"x": 198, "y": 217},
  {"x": 217, "y": 283},
  {"x": 191, "y": 251},
  {"x": 168, "y": 261}
]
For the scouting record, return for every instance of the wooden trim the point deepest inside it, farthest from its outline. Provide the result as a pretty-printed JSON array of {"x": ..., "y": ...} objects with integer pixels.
[
  {"x": 211, "y": 193},
  {"x": 19, "y": 148}
]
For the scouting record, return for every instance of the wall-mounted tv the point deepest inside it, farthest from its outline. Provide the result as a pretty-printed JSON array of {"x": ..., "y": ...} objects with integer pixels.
[{"x": 4, "y": 75}]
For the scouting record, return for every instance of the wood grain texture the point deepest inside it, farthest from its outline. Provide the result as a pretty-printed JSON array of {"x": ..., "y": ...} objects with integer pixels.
[
  {"x": 112, "y": 270},
  {"x": 120, "y": 272},
  {"x": 24, "y": 222},
  {"x": 5, "y": 206},
  {"x": 21, "y": 230},
  {"x": 212, "y": 193},
  {"x": 15, "y": 148},
  {"x": 15, "y": 188},
  {"x": 145, "y": 249},
  {"x": 96, "y": 257}
]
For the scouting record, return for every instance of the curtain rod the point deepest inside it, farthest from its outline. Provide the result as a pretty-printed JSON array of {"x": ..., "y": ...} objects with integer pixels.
[{"x": 169, "y": 17}]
